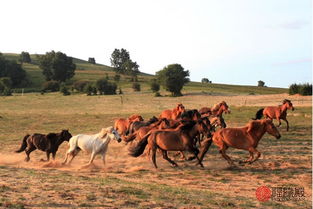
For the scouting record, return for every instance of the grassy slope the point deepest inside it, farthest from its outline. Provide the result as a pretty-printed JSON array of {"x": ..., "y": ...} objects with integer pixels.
[{"x": 90, "y": 72}]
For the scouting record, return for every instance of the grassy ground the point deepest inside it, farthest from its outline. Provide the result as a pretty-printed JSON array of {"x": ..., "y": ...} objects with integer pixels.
[{"x": 127, "y": 182}]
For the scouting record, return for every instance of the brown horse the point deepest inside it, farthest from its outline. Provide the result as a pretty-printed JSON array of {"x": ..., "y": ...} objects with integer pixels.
[
  {"x": 173, "y": 114},
  {"x": 276, "y": 112},
  {"x": 246, "y": 138},
  {"x": 142, "y": 131},
  {"x": 48, "y": 143},
  {"x": 121, "y": 125},
  {"x": 216, "y": 110},
  {"x": 171, "y": 140}
]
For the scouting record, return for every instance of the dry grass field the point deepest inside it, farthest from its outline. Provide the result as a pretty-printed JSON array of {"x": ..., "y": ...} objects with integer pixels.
[{"x": 127, "y": 182}]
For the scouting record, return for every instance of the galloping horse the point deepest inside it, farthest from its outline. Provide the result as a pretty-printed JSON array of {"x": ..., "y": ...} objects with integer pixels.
[
  {"x": 246, "y": 138},
  {"x": 48, "y": 143},
  {"x": 121, "y": 125},
  {"x": 96, "y": 144},
  {"x": 276, "y": 112},
  {"x": 142, "y": 131},
  {"x": 216, "y": 110},
  {"x": 173, "y": 114},
  {"x": 134, "y": 126},
  {"x": 171, "y": 140}
]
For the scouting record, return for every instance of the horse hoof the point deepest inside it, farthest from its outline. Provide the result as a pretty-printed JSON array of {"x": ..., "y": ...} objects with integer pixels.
[
  {"x": 190, "y": 158},
  {"x": 26, "y": 159}
]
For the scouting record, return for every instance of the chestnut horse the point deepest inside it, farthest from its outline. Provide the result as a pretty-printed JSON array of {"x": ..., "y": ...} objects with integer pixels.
[
  {"x": 246, "y": 138},
  {"x": 180, "y": 139},
  {"x": 173, "y": 114},
  {"x": 276, "y": 112},
  {"x": 142, "y": 131},
  {"x": 48, "y": 143},
  {"x": 216, "y": 110},
  {"x": 121, "y": 125}
]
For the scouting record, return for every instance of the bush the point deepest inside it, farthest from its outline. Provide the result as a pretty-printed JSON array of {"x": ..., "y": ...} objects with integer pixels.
[
  {"x": 155, "y": 86},
  {"x": 117, "y": 78},
  {"x": 5, "y": 86},
  {"x": 261, "y": 83},
  {"x": 80, "y": 85},
  {"x": 302, "y": 89},
  {"x": 136, "y": 86},
  {"x": 64, "y": 90},
  {"x": 92, "y": 60},
  {"x": 105, "y": 87},
  {"x": 52, "y": 86}
]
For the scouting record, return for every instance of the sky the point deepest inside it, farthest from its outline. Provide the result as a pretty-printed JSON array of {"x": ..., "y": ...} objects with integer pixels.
[{"x": 226, "y": 41}]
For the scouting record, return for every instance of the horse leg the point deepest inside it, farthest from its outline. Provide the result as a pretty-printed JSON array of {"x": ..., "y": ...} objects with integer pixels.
[
  {"x": 286, "y": 123},
  {"x": 153, "y": 156},
  {"x": 92, "y": 157},
  {"x": 28, "y": 151},
  {"x": 226, "y": 157},
  {"x": 53, "y": 155},
  {"x": 168, "y": 159},
  {"x": 205, "y": 145},
  {"x": 73, "y": 153},
  {"x": 249, "y": 159},
  {"x": 258, "y": 154}
]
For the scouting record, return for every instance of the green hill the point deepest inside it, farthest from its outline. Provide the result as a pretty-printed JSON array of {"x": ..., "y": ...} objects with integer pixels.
[{"x": 92, "y": 72}]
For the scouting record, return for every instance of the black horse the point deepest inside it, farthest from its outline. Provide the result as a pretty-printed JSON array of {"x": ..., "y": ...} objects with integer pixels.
[{"x": 48, "y": 143}]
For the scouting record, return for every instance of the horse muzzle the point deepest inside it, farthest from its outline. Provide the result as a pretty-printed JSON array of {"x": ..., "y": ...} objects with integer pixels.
[
  {"x": 278, "y": 136},
  {"x": 119, "y": 140},
  {"x": 292, "y": 108}
]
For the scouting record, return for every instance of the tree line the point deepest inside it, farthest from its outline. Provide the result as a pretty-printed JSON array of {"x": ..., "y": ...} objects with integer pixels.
[{"x": 58, "y": 68}]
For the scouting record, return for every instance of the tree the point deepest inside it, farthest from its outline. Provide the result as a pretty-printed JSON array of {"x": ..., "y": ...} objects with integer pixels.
[
  {"x": 13, "y": 70},
  {"x": 57, "y": 66},
  {"x": 25, "y": 57},
  {"x": 122, "y": 64},
  {"x": 261, "y": 83},
  {"x": 136, "y": 87},
  {"x": 173, "y": 78},
  {"x": 5, "y": 86},
  {"x": 205, "y": 80},
  {"x": 92, "y": 60}
]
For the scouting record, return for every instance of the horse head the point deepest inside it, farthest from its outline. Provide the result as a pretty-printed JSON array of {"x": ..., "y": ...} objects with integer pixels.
[
  {"x": 288, "y": 104},
  {"x": 224, "y": 107},
  {"x": 111, "y": 132},
  {"x": 66, "y": 135},
  {"x": 203, "y": 126},
  {"x": 135, "y": 117},
  {"x": 271, "y": 128},
  {"x": 180, "y": 107}
]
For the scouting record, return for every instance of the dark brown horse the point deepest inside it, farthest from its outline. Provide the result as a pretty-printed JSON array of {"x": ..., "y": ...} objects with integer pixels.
[
  {"x": 142, "y": 131},
  {"x": 122, "y": 125},
  {"x": 134, "y": 126},
  {"x": 246, "y": 138},
  {"x": 173, "y": 114},
  {"x": 276, "y": 112},
  {"x": 48, "y": 143},
  {"x": 216, "y": 110},
  {"x": 171, "y": 140}
]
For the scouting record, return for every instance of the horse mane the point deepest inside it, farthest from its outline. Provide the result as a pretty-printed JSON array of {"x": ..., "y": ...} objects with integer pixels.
[
  {"x": 188, "y": 125},
  {"x": 252, "y": 125},
  {"x": 152, "y": 120},
  {"x": 286, "y": 101},
  {"x": 134, "y": 117},
  {"x": 216, "y": 106},
  {"x": 103, "y": 133}
]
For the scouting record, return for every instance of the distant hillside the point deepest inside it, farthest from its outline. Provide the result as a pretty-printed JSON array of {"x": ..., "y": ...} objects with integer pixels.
[{"x": 92, "y": 72}]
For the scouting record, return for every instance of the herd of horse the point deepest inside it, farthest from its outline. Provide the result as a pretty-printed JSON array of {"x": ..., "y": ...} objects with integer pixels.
[{"x": 177, "y": 130}]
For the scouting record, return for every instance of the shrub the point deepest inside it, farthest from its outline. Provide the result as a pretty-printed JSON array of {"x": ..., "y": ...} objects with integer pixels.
[
  {"x": 136, "y": 86},
  {"x": 154, "y": 85},
  {"x": 64, "y": 90},
  {"x": 80, "y": 85},
  {"x": 261, "y": 83},
  {"x": 5, "y": 86},
  {"x": 51, "y": 86},
  {"x": 117, "y": 77},
  {"x": 105, "y": 87},
  {"x": 92, "y": 60}
]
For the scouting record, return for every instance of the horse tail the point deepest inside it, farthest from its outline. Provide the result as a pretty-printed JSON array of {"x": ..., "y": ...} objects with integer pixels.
[
  {"x": 258, "y": 114},
  {"x": 23, "y": 145},
  {"x": 138, "y": 149}
]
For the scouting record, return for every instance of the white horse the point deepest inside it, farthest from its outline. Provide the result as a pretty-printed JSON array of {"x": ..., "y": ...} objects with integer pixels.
[{"x": 96, "y": 144}]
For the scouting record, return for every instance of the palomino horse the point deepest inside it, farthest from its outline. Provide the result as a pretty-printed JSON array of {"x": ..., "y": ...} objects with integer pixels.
[
  {"x": 216, "y": 110},
  {"x": 121, "y": 125},
  {"x": 171, "y": 140},
  {"x": 95, "y": 144},
  {"x": 173, "y": 114},
  {"x": 276, "y": 112},
  {"x": 48, "y": 143},
  {"x": 246, "y": 138}
]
